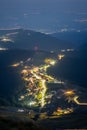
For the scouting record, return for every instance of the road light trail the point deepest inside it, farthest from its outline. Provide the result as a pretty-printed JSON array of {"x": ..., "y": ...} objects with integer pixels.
[
  {"x": 79, "y": 103},
  {"x": 43, "y": 88},
  {"x": 43, "y": 93}
]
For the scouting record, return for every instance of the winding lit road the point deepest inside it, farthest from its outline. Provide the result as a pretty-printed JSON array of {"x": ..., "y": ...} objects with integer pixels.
[{"x": 77, "y": 102}]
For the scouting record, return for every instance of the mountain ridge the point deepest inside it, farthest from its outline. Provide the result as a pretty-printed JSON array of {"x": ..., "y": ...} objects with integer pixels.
[{"x": 28, "y": 39}]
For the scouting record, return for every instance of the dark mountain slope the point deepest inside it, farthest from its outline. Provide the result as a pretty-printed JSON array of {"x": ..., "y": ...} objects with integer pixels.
[
  {"x": 27, "y": 39},
  {"x": 73, "y": 67},
  {"x": 10, "y": 79},
  {"x": 76, "y": 38}
]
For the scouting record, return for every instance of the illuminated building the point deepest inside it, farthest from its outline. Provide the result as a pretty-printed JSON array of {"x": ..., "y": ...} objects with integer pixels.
[{"x": 60, "y": 56}]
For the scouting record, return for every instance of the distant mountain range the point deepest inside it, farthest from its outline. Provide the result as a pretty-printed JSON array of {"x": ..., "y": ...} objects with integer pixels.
[{"x": 27, "y": 39}]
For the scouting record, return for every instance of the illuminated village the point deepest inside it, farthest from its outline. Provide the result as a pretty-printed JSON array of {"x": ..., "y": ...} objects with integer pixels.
[{"x": 36, "y": 94}]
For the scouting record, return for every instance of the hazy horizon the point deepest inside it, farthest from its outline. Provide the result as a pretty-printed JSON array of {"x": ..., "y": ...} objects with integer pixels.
[{"x": 44, "y": 15}]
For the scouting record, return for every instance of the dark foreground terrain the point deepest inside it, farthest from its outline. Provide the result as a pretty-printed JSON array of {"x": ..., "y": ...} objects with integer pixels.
[
  {"x": 14, "y": 120},
  {"x": 20, "y": 121},
  {"x": 17, "y": 121}
]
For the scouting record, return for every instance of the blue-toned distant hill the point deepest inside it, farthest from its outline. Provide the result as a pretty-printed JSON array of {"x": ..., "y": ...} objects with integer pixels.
[
  {"x": 73, "y": 67},
  {"x": 27, "y": 39},
  {"x": 75, "y": 37}
]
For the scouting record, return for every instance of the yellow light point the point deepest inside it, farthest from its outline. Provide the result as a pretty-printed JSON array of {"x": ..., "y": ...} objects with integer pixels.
[
  {"x": 47, "y": 60},
  {"x": 67, "y": 111},
  {"x": 46, "y": 67},
  {"x": 50, "y": 61},
  {"x": 26, "y": 79},
  {"x": 15, "y": 65},
  {"x": 21, "y": 98},
  {"x": 53, "y": 62},
  {"x": 60, "y": 56},
  {"x": 49, "y": 77},
  {"x": 26, "y": 67},
  {"x": 69, "y": 93},
  {"x": 36, "y": 69},
  {"x": 24, "y": 71}
]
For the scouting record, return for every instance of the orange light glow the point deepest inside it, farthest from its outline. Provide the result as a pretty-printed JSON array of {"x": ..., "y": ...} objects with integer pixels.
[
  {"x": 15, "y": 65},
  {"x": 69, "y": 92}
]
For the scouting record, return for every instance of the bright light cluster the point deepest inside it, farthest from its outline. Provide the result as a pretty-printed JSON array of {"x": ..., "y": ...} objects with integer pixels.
[
  {"x": 60, "y": 56},
  {"x": 6, "y": 39},
  {"x": 69, "y": 92},
  {"x": 50, "y": 61}
]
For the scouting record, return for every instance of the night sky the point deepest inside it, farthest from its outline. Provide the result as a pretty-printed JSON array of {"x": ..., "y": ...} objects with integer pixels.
[{"x": 44, "y": 15}]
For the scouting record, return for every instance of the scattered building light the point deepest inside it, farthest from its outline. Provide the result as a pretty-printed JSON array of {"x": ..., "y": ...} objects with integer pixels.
[
  {"x": 63, "y": 50},
  {"x": 20, "y": 110},
  {"x": 15, "y": 65},
  {"x": 69, "y": 93},
  {"x": 70, "y": 50},
  {"x": 50, "y": 61},
  {"x": 60, "y": 56},
  {"x": 6, "y": 39}
]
